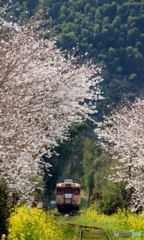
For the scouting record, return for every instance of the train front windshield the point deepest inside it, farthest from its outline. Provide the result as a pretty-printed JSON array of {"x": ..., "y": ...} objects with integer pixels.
[
  {"x": 60, "y": 191},
  {"x": 76, "y": 191},
  {"x": 64, "y": 190},
  {"x": 68, "y": 190}
]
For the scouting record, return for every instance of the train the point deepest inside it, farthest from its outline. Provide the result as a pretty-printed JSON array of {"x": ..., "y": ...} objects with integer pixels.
[{"x": 68, "y": 196}]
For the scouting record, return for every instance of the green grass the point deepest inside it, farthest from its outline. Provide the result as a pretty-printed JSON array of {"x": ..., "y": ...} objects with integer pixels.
[
  {"x": 84, "y": 200},
  {"x": 94, "y": 234}
]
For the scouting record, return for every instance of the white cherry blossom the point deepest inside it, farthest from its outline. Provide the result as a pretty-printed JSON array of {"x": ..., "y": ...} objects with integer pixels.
[
  {"x": 41, "y": 94},
  {"x": 123, "y": 134}
]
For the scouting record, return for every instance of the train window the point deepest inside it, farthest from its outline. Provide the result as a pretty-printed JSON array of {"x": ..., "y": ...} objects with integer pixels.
[
  {"x": 68, "y": 190},
  {"x": 68, "y": 180},
  {"x": 76, "y": 190},
  {"x": 60, "y": 190}
]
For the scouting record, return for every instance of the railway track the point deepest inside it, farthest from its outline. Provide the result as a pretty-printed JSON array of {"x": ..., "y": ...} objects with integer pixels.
[
  {"x": 90, "y": 232},
  {"x": 93, "y": 234},
  {"x": 85, "y": 232}
]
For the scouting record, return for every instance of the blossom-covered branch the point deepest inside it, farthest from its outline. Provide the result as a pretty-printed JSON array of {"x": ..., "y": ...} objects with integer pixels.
[
  {"x": 123, "y": 134},
  {"x": 41, "y": 94}
]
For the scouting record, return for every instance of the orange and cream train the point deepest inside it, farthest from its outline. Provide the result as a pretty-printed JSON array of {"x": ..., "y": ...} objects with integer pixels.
[{"x": 68, "y": 196}]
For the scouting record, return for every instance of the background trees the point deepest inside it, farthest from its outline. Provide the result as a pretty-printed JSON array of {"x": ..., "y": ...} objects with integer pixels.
[{"x": 119, "y": 26}]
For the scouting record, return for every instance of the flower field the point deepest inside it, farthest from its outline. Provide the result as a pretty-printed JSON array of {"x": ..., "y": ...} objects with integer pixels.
[{"x": 37, "y": 224}]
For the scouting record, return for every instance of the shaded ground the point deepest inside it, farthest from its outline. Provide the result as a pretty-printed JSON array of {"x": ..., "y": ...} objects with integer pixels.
[{"x": 93, "y": 234}]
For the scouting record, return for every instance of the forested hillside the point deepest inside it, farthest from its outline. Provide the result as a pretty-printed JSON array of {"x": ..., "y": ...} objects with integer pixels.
[{"x": 109, "y": 32}]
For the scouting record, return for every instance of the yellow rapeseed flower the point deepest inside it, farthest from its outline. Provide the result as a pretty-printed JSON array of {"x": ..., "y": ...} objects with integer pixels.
[{"x": 33, "y": 224}]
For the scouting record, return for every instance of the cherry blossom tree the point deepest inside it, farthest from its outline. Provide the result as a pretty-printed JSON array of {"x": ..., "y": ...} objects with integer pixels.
[
  {"x": 41, "y": 94},
  {"x": 123, "y": 134}
]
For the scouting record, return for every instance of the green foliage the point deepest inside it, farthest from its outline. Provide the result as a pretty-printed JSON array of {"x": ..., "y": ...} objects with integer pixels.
[
  {"x": 133, "y": 77},
  {"x": 114, "y": 196},
  {"x": 76, "y": 128},
  {"x": 5, "y": 207},
  {"x": 97, "y": 166},
  {"x": 113, "y": 20}
]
